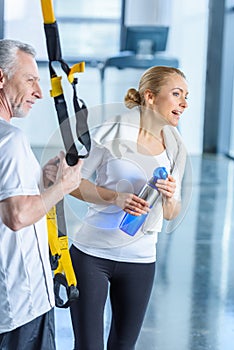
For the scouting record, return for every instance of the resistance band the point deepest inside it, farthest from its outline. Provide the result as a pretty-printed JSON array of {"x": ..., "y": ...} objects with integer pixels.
[{"x": 58, "y": 239}]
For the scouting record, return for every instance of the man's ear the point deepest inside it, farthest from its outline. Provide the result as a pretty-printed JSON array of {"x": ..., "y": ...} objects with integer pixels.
[{"x": 2, "y": 79}]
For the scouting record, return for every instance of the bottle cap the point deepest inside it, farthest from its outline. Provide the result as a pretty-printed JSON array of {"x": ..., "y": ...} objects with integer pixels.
[{"x": 160, "y": 173}]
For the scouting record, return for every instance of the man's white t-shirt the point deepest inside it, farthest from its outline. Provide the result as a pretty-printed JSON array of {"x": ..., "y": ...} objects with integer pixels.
[{"x": 26, "y": 282}]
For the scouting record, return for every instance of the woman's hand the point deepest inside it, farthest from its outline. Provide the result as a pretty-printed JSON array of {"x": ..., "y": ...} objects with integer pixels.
[
  {"x": 131, "y": 204},
  {"x": 167, "y": 187}
]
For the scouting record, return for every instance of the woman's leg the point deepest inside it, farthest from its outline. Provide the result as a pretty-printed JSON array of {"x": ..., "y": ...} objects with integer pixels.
[
  {"x": 87, "y": 313},
  {"x": 130, "y": 291}
]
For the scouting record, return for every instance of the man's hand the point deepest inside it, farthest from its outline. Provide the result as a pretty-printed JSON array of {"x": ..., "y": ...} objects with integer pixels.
[
  {"x": 50, "y": 170},
  {"x": 68, "y": 176}
]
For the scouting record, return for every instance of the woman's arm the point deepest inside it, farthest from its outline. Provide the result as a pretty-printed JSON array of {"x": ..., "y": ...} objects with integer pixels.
[
  {"x": 89, "y": 192},
  {"x": 171, "y": 207}
]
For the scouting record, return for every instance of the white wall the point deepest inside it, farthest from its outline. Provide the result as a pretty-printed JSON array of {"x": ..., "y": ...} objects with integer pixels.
[
  {"x": 187, "y": 41},
  {"x": 231, "y": 150},
  {"x": 24, "y": 21},
  {"x": 149, "y": 12}
]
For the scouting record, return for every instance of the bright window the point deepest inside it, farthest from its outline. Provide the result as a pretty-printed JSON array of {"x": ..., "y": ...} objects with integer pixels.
[{"x": 89, "y": 28}]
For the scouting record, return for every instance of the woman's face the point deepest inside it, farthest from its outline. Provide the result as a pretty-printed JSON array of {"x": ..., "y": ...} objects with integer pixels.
[{"x": 171, "y": 101}]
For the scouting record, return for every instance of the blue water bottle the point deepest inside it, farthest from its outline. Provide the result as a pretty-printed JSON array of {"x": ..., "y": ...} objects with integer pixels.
[{"x": 130, "y": 223}]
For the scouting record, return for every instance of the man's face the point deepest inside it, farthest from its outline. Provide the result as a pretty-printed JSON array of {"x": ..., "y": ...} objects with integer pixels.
[{"x": 22, "y": 89}]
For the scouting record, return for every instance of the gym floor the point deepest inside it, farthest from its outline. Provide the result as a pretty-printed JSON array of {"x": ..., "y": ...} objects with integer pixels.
[{"x": 192, "y": 303}]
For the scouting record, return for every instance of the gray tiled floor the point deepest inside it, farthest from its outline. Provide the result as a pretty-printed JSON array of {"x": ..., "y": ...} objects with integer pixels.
[{"x": 192, "y": 304}]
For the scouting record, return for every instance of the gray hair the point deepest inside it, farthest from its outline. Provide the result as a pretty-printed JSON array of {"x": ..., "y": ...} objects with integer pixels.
[{"x": 8, "y": 54}]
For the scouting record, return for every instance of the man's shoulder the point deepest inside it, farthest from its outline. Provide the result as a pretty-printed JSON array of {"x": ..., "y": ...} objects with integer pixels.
[{"x": 8, "y": 131}]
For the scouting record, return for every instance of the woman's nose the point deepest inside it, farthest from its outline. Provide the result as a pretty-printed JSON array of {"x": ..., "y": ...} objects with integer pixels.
[{"x": 184, "y": 103}]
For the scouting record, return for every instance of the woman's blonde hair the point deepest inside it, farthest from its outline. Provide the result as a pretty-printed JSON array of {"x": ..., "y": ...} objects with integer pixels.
[{"x": 153, "y": 79}]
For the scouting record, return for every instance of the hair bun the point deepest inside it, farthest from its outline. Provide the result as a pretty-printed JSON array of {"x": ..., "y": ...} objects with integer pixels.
[{"x": 132, "y": 98}]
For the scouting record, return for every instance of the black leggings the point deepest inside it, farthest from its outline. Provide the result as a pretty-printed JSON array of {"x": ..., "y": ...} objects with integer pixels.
[{"x": 130, "y": 288}]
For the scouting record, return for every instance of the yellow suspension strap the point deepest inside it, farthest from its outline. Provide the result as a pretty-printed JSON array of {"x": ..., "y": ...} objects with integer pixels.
[{"x": 58, "y": 239}]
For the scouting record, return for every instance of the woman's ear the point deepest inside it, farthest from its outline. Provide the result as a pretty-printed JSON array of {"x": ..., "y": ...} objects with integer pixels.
[{"x": 149, "y": 97}]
